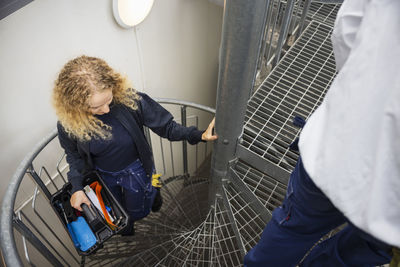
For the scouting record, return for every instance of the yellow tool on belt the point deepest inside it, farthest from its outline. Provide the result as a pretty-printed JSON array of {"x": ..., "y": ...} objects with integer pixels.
[{"x": 155, "y": 181}]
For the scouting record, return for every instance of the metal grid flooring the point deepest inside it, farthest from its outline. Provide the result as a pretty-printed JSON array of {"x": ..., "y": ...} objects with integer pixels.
[
  {"x": 295, "y": 87},
  {"x": 248, "y": 221},
  {"x": 269, "y": 191},
  {"x": 183, "y": 249},
  {"x": 201, "y": 253},
  {"x": 169, "y": 253},
  {"x": 185, "y": 208},
  {"x": 325, "y": 13},
  {"x": 211, "y": 243},
  {"x": 227, "y": 252}
]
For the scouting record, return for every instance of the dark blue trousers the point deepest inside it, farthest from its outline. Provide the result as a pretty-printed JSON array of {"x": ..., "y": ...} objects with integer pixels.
[
  {"x": 304, "y": 217},
  {"x": 132, "y": 188}
]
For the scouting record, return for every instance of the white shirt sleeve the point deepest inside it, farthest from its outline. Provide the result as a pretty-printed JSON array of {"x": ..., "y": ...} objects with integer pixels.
[{"x": 347, "y": 24}]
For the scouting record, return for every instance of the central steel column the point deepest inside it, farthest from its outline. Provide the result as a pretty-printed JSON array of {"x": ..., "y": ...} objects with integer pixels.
[{"x": 243, "y": 25}]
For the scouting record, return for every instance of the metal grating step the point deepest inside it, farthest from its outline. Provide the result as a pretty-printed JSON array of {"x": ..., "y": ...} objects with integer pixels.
[
  {"x": 268, "y": 190},
  {"x": 248, "y": 221},
  {"x": 185, "y": 201},
  {"x": 154, "y": 254},
  {"x": 213, "y": 243},
  {"x": 227, "y": 252},
  {"x": 185, "y": 208},
  {"x": 119, "y": 248},
  {"x": 325, "y": 13},
  {"x": 295, "y": 87},
  {"x": 202, "y": 251},
  {"x": 183, "y": 246}
]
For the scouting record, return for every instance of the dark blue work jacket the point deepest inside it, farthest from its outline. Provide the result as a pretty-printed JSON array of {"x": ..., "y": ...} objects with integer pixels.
[{"x": 149, "y": 113}]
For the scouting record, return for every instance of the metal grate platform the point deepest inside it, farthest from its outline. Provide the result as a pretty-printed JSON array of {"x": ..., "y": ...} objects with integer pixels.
[
  {"x": 248, "y": 221},
  {"x": 227, "y": 252},
  {"x": 201, "y": 253},
  {"x": 185, "y": 209},
  {"x": 295, "y": 87},
  {"x": 325, "y": 13},
  {"x": 269, "y": 191},
  {"x": 212, "y": 243},
  {"x": 179, "y": 255}
]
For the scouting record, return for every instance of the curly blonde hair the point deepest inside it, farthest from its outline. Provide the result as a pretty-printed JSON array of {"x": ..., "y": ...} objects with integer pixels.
[{"x": 77, "y": 81}]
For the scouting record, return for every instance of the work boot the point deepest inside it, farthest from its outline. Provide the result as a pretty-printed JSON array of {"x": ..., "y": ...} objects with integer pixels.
[{"x": 129, "y": 230}]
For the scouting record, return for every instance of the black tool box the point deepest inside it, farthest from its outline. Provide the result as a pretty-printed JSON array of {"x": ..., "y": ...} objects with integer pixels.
[{"x": 89, "y": 229}]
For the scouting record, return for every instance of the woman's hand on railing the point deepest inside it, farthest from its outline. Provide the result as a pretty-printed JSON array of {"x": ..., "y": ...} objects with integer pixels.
[
  {"x": 208, "y": 134},
  {"x": 78, "y": 198}
]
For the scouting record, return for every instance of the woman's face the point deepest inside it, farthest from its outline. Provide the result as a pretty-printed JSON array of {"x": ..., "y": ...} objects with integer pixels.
[{"x": 99, "y": 102}]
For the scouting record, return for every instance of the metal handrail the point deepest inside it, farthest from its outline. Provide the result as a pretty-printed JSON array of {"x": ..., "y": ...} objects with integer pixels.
[
  {"x": 8, "y": 218},
  {"x": 8, "y": 245},
  {"x": 278, "y": 27},
  {"x": 184, "y": 103}
]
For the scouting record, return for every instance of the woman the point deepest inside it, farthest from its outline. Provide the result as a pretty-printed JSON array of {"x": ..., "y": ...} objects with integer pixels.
[{"x": 100, "y": 127}]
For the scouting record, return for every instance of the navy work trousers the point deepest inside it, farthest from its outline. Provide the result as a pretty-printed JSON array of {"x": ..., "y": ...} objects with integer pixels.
[
  {"x": 304, "y": 217},
  {"x": 132, "y": 188}
]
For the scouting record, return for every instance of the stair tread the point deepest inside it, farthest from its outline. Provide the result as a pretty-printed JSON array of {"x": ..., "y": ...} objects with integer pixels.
[
  {"x": 264, "y": 187},
  {"x": 295, "y": 87},
  {"x": 249, "y": 222}
]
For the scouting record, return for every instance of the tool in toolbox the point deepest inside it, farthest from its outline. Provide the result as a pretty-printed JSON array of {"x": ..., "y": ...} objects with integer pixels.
[
  {"x": 96, "y": 186},
  {"x": 97, "y": 202},
  {"x": 89, "y": 229},
  {"x": 81, "y": 234},
  {"x": 94, "y": 221},
  {"x": 69, "y": 227}
]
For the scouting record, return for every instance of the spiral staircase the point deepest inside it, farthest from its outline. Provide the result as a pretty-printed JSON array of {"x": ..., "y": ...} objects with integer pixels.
[{"x": 203, "y": 221}]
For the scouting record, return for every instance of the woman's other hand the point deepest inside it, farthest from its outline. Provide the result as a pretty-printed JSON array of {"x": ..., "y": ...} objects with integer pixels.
[
  {"x": 208, "y": 134},
  {"x": 78, "y": 198}
]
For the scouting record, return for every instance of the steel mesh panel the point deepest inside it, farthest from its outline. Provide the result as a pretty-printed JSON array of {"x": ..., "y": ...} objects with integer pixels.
[
  {"x": 227, "y": 252},
  {"x": 212, "y": 243},
  {"x": 169, "y": 253},
  {"x": 268, "y": 190},
  {"x": 102, "y": 262},
  {"x": 193, "y": 201},
  {"x": 121, "y": 247},
  {"x": 178, "y": 194},
  {"x": 325, "y": 13},
  {"x": 185, "y": 204},
  {"x": 154, "y": 254},
  {"x": 295, "y": 87},
  {"x": 249, "y": 223},
  {"x": 182, "y": 248},
  {"x": 202, "y": 251},
  {"x": 185, "y": 207}
]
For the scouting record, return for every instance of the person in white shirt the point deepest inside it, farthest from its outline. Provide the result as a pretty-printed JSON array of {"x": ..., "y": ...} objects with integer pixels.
[{"x": 349, "y": 165}]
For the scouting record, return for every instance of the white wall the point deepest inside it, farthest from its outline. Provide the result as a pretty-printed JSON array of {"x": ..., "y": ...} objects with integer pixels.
[{"x": 173, "y": 53}]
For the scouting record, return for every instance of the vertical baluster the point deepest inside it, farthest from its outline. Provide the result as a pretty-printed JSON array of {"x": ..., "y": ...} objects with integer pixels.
[{"x": 184, "y": 143}]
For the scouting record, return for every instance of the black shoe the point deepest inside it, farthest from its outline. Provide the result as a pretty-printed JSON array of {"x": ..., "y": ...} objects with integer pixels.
[
  {"x": 158, "y": 201},
  {"x": 129, "y": 230}
]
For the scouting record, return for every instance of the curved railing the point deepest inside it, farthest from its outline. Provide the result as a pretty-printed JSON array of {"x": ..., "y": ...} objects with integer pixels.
[{"x": 37, "y": 230}]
